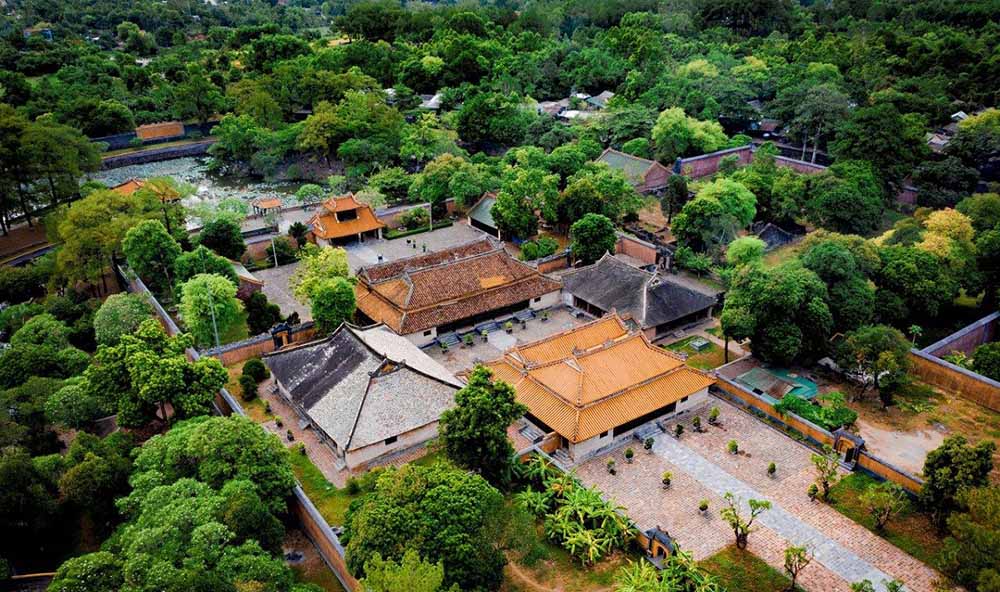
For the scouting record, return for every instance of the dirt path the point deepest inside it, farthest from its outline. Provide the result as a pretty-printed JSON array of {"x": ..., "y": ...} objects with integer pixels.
[{"x": 525, "y": 580}]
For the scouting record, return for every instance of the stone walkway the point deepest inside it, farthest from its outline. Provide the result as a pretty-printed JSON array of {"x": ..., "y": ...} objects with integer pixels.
[
  {"x": 825, "y": 550},
  {"x": 703, "y": 469}
]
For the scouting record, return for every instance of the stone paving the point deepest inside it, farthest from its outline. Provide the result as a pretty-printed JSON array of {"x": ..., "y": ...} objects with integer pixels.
[{"x": 702, "y": 468}]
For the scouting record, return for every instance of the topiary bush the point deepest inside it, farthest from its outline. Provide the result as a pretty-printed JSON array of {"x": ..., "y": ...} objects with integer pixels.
[
  {"x": 248, "y": 387},
  {"x": 256, "y": 369}
]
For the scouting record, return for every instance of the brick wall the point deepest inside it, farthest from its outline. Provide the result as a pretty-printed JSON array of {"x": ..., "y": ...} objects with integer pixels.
[
  {"x": 634, "y": 247},
  {"x": 968, "y": 338},
  {"x": 708, "y": 164},
  {"x": 965, "y": 383},
  {"x": 799, "y": 166}
]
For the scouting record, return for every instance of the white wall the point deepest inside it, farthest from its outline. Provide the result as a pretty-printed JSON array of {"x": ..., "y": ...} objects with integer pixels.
[
  {"x": 359, "y": 459},
  {"x": 420, "y": 340},
  {"x": 546, "y": 300}
]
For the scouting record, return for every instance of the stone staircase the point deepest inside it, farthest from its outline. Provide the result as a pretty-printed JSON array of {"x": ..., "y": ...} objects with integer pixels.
[
  {"x": 531, "y": 433},
  {"x": 562, "y": 457}
]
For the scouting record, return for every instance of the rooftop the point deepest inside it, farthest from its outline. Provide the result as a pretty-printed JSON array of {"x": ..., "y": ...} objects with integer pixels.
[
  {"x": 326, "y": 223},
  {"x": 649, "y": 298},
  {"x": 633, "y": 167},
  {"x": 362, "y": 386},
  {"x": 590, "y": 379},
  {"x": 418, "y": 293}
]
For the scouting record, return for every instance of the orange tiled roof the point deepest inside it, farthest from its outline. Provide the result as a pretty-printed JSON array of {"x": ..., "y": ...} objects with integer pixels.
[
  {"x": 325, "y": 224},
  {"x": 267, "y": 203},
  {"x": 128, "y": 187},
  {"x": 581, "y": 387},
  {"x": 418, "y": 293}
]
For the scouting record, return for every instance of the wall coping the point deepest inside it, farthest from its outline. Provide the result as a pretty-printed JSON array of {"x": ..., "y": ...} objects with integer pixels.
[
  {"x": 716, "y": 153},
  {"x": 961, "y": 333}
]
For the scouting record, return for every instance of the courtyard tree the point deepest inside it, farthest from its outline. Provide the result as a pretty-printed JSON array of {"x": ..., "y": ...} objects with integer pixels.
[
  {"x": 474, "y": 431},
  {"x": 317, "y": 264},
  {"x": 951, "y": 469},
  {"x": 827, "y": 465},
  {"x": 716, "y": 215},
  {"x": 846, "y": 198},
  {"x": 593, "y": 236},
  {"x": 411, "y": 574},
  {"x": 522, "y": 193},
  {"x": 120, "y": 315},
  {"x": 675, "y": 134},
  {"x": 151, "y": 253},
  {"x": 332, "y": 303},
  {"x": 967, "y": 556},
  {"x": 209, "y": 307},
  {"x": 203, "y": 260},
  {"x": 675, "y": 196},
  {"x": 877, "y": 356},
  {"x": 742, "y": 524},
  {"x": 597, "y": 189},
  {"x": 893, "y": 142},
  {"x": 445, "y": 514},
  {"x": 92, "y": 572},
  {"x": 796, "y": 559},
  {"x": 745, "y": 250},
  {"x": 912, "y": 283},
  {"x": 883, "y": 501},
  {"x": 223, "y": 236}
]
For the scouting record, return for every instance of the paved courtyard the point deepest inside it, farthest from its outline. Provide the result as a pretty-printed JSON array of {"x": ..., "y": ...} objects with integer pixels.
[
  {"x": 702, "y": 468},
  {"x": 361, "y": 254},
  {"x": 464, "y": 357}
]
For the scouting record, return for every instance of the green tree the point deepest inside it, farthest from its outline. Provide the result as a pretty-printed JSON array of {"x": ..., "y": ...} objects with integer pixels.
[
  {"x": 75, "y": 406},
  {"x": 878, "y": 356},
  {"x": 852, "y": 205},
  {"x": 474, "y": 432},
  {"x": 952, "y": 469},
  {"x": 966, "y": 554},
  {"x": 151, "y": 253},
  {"x": 892, "y": 142},
  {"x": 983, "y": 209},
  {"x": 675, "y": 134},
  {"x": 827, "y": 466},
  {"x": 796, "y": 559},
  {"x": 332, "y": 303},
  {"x": 883, "y": 501},
  {"x": 42, "y": 330},
  {"x": 202, "y": 260},
  {"x": 675, "y": 196},
  {"x": 411, "y": 574},
  {"x": 27, "y": 505},
  {"x": 445, "y": 514},
  {"x": 224, "y": 237},
  {"x": 525, "y": 191},
  {"x": 986, "y": 360},
  {"x": 912, "y": 284},
  {"x": 316, "y": 265},
  {"x": 745, "y": 250},
  {"x": 261, "y": 314},
  {"x": 597, "y": 189},
  {"x": 93, "y": 572},
  {"x": 450, "y": 176},
  {"x": 742, "y": 525},
  {"x": 197, "y": 97},
  {"x": 712, "y": 219},
  {"x": 209, "y": 307},
  {"x": 593, "y": 235}
]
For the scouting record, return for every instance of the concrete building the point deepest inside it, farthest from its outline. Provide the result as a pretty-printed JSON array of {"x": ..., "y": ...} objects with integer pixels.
[{"x": 368, "y": 393}]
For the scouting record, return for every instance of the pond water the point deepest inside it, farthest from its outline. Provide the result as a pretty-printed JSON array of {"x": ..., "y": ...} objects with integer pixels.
[{"x": 210, "y": 188}]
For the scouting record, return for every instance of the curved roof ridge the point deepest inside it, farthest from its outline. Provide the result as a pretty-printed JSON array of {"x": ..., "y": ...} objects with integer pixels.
[{"x": 641, "y": 383}]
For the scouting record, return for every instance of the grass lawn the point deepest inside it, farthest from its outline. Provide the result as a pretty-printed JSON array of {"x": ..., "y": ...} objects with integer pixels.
[
  {"x": 331, "y": 502},
  {"x": 709, "y": 358},
  {"x": 742, "y": 571},
  {"x": 549, "y": 566},
  {"x": 909, "y": 530},
  {"x": 783, "y": 254}
]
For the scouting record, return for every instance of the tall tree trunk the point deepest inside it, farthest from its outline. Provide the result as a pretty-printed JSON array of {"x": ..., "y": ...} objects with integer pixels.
[
  {"x": 815, "y": 144},
  {"x": 725, "y": 356},
  {"x": 24, "y": 203},
  {"x": 52, "y": 191},
  {"x": 805, "y": 140}
]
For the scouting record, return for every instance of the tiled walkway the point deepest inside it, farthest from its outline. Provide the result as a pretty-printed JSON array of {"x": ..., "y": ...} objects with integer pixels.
[
  {"x": 838, "y": 559},
  {"x": 845, "y": 551}
]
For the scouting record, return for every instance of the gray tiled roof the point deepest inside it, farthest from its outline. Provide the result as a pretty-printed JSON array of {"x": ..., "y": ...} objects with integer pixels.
[
  {"x": 651, "y": 300},
  {"x": 363, "y": 386}
]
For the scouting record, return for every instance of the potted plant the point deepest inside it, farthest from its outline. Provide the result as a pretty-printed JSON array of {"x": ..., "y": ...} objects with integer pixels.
[
  {"x": 611, "y": 465},
  {"x": 278, "y": 422},
  {"x": 648, "y": 445},
  {"x": 678, "y": 430},
  {"x": 289, "y": 435},
  {"x": 703, "y": 506},
  {"x": 696, "y": 423},
  {"x": 444, "y": 346},
  {"x": 508, "y": 327},
  {"x": 733, "y": 447},
  {"x": 666, "y": 478},
  {"x": 713, "y": 416},
  {"x": 267, "y": 407},
  {"x": 772, "y": 469},
  {"x": 545, "y": 315},
  {"x": 812, "y": 492},
  {"x": 524, "y": 324},
  {"x": 485, "y": 335},
  {"x": 467, "y": 339},
  {"x": 629, "y": 453}
]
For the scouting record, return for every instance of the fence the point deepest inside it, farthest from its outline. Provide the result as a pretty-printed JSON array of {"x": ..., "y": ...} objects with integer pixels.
[
  {"x": 254, "y": 347},
  {"x": 813, "y": 434},
  {"x": 313, "y": 524}
]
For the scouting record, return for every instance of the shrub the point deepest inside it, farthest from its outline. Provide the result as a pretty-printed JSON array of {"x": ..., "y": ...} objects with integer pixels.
[
  {"x": 832, "y": 415},
  {"x": 713, "y": 415},
  {"x": 248, "y": 387},
  {"x": 256, "y": 369},
  {"x": 703, "y": 505},
  {"x": 771, "y": 469},
  {"x": 135, "y": 142},
  {"x": 415, "y": 218},
  {"x": 629, "y": 453},
  {"x": 648, "y": 444},
  {"x": 813, "y": 491},
  {"x": 536, "y": 249},
  {"x": 696, "y": 423},
  {"x": 666, "y": 478},
  {"x": 733, "y": 447},
  {"x": 678, "y": 430}
]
